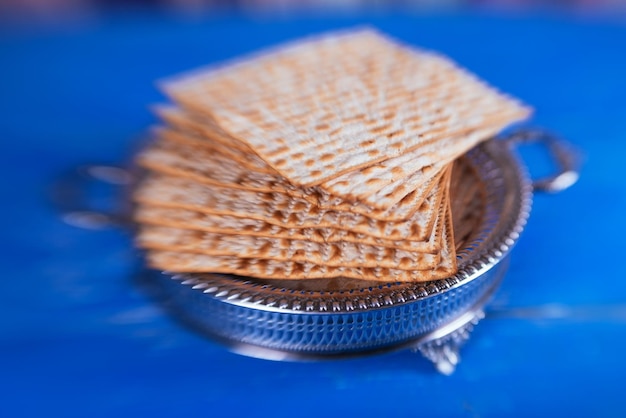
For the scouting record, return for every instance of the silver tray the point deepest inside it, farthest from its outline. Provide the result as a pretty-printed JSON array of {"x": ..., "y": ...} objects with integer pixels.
[{"x": 326, "y": 319}]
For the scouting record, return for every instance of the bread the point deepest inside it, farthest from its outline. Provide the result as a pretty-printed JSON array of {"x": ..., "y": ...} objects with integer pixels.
[
  {"x": 335, "y": 157},
  {"x": 332, "y": 105}
]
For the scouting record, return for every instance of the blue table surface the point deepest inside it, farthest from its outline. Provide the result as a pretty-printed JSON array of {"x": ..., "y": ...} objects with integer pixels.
[{"x": 79, "y": 338}]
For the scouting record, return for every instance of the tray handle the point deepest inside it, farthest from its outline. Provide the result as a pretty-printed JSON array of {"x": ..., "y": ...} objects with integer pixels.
[
  {"x": 90, "y": 196},
  {"x": 565, "y": 157}
]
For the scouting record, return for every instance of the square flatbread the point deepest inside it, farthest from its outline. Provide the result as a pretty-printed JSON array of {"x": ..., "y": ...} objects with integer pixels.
[
  {"x": 180, "y": 155},
  {"x": 380, "y": 186},
  {"x": 279, "y": 209},
  {"x": 328, "y": 106},
  {"x": 312, "y": 268}
]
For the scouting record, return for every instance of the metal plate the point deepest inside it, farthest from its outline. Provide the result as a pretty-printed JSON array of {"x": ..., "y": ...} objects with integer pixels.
[{"x": 309, "y": 319}]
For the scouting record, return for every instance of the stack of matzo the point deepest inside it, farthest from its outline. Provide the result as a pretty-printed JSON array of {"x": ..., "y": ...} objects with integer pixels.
[{"x": 329, "y": 157}]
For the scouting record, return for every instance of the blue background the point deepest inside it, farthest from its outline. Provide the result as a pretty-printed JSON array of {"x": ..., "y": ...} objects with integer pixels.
[{"x": 79, "y": 337}]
